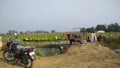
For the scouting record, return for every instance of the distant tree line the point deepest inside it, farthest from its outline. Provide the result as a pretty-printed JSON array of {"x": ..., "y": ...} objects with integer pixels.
[
  {"x": 113, "y": 27},
  {"x": 27, "y": 32}
]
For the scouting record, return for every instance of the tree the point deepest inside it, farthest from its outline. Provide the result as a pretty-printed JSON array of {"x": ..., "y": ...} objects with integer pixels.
[
  {"x": 83, "y": 29},
  {"x": 101, "y": 27},
  {"x": 114, "y": 27},
  {"x": 92, "y": 29},
  {"x": 21, "y": 32},
  {"x": 53, "y": 31}
]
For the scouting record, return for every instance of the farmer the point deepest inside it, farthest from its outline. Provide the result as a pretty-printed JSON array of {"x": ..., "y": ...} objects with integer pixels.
[
  {"x": 63, "y": 36},
  {"x": 93, "y": 37},
  {"x": 56, "y": 37},
  {"x": 88, "y": 39},
  {"x": 119, "y": 34},
  {"x": 110, "y": 35},
  {"x": 69, "y": 36}
]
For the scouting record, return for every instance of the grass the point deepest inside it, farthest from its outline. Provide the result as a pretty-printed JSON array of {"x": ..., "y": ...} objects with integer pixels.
[
  {"x": 49, "y": 36},
  {"x": 113, "y": 43},
  {"x": 43, "y": 36}
]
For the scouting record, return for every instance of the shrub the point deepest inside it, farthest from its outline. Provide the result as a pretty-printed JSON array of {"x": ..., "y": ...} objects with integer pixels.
[{"x": 39, "y": 53}]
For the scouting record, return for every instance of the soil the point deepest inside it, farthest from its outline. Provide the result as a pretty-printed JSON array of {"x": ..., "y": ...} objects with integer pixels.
[{"x": 90, "y": 55}]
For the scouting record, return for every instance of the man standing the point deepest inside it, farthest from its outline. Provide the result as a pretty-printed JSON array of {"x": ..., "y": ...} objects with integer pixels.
[{"x": 93, "y": 37}]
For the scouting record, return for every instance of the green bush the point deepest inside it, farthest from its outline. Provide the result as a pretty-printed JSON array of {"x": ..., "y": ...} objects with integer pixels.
[
  {"x": 113, "y": 43},
  {"x": 39, "y": 53}
]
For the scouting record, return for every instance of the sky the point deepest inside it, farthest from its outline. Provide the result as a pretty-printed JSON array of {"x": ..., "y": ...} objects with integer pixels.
[{"x": 59, "y": 15}]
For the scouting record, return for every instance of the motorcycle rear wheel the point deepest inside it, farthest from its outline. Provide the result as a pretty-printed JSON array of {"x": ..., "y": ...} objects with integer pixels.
[{"x": 8, "y": 55}]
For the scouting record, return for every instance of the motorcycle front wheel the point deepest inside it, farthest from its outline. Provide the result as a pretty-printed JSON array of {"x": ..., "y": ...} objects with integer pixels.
[{"x": 27, "y": 61}]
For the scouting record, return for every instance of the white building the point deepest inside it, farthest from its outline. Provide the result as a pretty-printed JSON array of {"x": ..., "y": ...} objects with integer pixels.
[{"x": 100, "y": 31}]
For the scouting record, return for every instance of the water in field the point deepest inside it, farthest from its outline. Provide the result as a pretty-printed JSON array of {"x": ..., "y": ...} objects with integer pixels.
[
  {"x": 117, "y": 50},
  {"x": 49, "y": 51},
  {"x": 48, "y": 42}
]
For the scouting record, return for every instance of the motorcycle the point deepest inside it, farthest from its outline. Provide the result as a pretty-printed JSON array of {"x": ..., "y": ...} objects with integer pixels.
[{"x": 25, "y": 54}]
